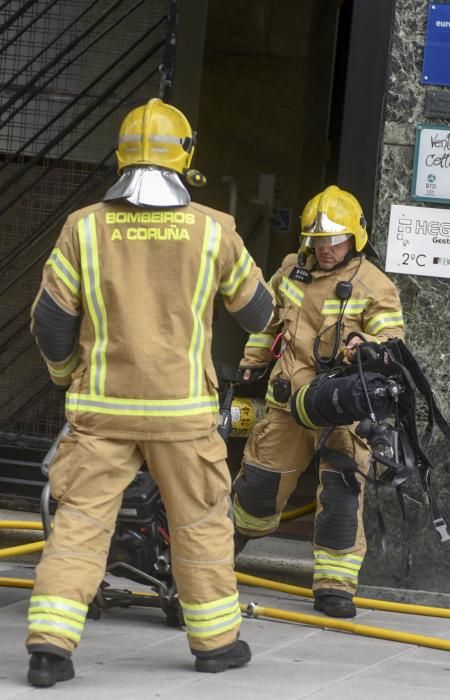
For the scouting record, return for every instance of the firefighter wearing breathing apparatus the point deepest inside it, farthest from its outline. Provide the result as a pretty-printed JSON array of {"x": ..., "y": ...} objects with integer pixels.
[
  {"x": 329, "y": 298},
  {"x": 123, "y": 320}
]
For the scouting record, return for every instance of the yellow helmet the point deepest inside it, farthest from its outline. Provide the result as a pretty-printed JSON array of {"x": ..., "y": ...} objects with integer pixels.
[
  {"x": 336, "y": 214},
  {"x": 155, "y": 134}
]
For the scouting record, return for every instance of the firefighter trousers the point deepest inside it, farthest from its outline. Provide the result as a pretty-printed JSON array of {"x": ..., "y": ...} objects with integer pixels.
[
  {"x": 88, "y": 478},
  {"x": 275, "y": 455}
]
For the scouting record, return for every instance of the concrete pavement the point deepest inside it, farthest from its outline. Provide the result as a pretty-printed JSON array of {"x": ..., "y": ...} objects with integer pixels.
[{"x": 131, "y": 654}]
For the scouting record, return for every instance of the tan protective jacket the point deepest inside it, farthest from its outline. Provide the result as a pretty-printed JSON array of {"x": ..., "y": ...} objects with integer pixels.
[
  {"x": 124, "y": 314},
  {"x": 306, "y": 309}
]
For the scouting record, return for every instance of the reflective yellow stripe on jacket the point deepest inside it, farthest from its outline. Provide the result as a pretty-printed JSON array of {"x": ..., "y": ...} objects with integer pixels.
[
  {"x": 62, "y": 617},
  {"x": 64, "y": 270},
  {"x": 91, "y": 280},
  {"x": 211, "y": 244},
  {"x": 353, "y": 307},
  {"x": 205, "y": 620},
  {"x": 291, "y": 291},
  {"x": 386, "y": 319},
  {"x": 168, "y": 408},
  {"x": 259, "y": 340},
  {"x": 238, "y": 274}
]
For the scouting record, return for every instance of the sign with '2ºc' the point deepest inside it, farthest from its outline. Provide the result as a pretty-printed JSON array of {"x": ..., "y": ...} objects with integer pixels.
[{"x": 419, "y": 241}]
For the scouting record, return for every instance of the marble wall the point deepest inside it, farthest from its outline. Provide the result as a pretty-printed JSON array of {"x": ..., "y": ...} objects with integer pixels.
[{"x": 426, "y": 305}]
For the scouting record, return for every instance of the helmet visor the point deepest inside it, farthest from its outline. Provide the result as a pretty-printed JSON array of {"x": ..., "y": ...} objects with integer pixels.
[{"x": 321, "y": 241}]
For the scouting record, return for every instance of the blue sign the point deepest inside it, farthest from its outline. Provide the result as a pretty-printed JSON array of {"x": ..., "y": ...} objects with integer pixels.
[
  {"x": 282, "y": 221},
  {"x": 436, "y": 62}
]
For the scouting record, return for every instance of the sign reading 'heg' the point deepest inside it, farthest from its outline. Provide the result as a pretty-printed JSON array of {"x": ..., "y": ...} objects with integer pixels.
[{"x": 419, "y": 241}]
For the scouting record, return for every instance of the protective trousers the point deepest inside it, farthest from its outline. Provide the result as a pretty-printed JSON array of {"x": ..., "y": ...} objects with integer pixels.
[
  {"x": 87, "y": 479},
  {"x": 276, "y": 453}
]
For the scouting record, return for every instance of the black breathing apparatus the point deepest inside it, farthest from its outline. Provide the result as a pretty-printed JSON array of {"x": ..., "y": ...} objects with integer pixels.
[{"x": 379, "y": 391}]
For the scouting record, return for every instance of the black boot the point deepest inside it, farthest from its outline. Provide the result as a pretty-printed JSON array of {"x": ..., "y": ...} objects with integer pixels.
[
  {"x": 216, "y": 661},
  {"x": 240, "y": 541},
  {"x": 335, "y": 605},
  {"x": 46, "y": 669}
]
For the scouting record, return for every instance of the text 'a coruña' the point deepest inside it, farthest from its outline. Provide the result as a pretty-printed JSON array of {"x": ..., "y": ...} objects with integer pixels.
[{"x": 151, "y": 234}]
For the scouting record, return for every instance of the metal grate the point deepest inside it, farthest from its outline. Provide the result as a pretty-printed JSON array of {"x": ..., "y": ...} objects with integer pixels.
[{"x": 71, "y": 70}]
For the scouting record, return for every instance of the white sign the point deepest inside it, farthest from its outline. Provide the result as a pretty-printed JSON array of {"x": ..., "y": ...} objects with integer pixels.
[
  {"x": 419, "y": 241},
  {"x": 431, "y": 175}
]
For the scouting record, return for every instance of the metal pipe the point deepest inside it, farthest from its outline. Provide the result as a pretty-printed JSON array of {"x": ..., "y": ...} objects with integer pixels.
[
  {"x": 65, "y": 207},
  {"x": 47, "y": 46},
  {"x": 25, "y": 88},
  {"x": 9, "y": 22},
  {"x": 98, "y": 101},
  {"x": 75, "y": 99},
  {"x": 27, "y": 26},
  {"x": 12, "y": 255}
]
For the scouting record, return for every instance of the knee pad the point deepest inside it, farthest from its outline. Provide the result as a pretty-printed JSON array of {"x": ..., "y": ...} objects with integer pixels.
[
  {"x": 257, "y": 490},
  {"x": 337, "y": 523}
]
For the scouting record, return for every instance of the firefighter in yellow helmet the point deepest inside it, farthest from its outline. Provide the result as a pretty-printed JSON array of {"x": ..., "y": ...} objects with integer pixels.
[
  {"x": 329, "y": 298},
  {"x": 123, "y": 319}
]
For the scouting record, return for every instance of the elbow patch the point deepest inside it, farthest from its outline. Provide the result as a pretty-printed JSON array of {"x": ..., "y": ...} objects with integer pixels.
[
  {"x": 255, "y": 315},
  {"x": 55, "y": 329}
]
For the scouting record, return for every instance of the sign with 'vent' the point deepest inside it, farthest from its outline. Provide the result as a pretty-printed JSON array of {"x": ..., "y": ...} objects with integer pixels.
[
  {"x": 431, "y": 172},
  {"x": 419, "y": 241},
  {"x": 436, "y": 60}
]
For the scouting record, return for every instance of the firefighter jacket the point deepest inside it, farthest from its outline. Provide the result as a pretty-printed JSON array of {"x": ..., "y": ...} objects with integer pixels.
[
  {"x": 308, "y": 306},
  {"x": 123, "y": 316}
]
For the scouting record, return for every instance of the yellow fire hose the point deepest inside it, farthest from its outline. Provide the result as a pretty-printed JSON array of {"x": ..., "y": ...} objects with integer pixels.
[
  {"x": 370, "y": 603},
  {"x": 273, "y": 613},
  {"x": 354, "y": 628},
  {"x": 298, "y": 512}
]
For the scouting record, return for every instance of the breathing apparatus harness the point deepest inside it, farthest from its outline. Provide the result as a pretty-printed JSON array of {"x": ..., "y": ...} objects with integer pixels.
[
  {"x": 343, "y": 292},
  {"x": 378, "y": 390}
]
